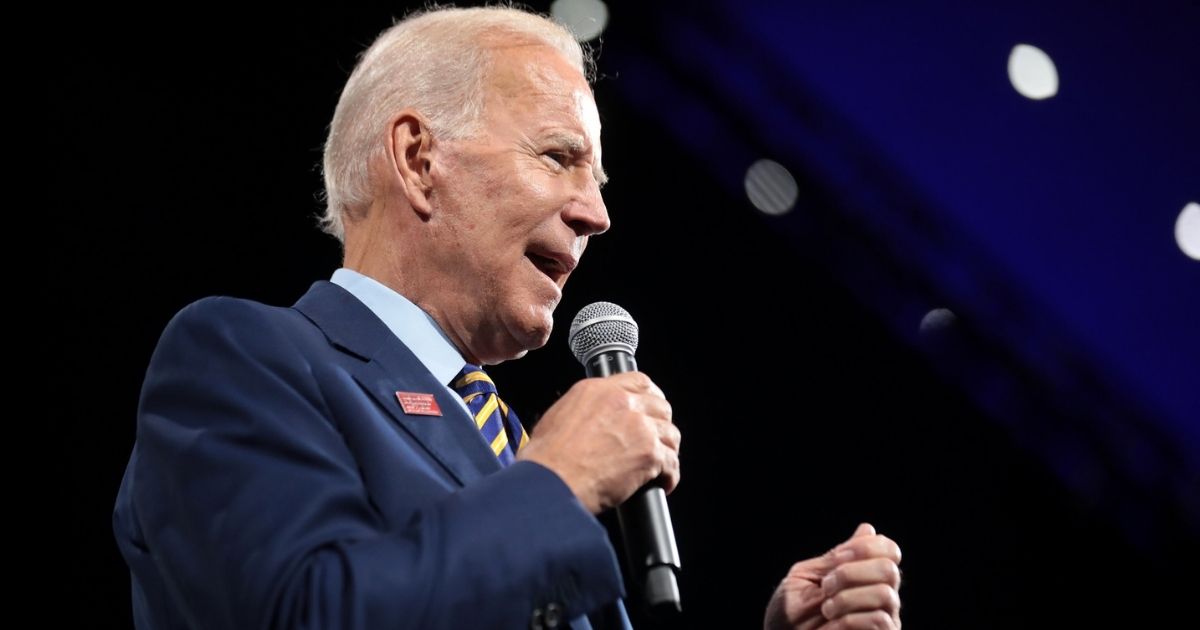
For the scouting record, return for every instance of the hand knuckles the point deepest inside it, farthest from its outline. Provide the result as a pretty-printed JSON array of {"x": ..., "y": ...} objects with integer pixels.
[
  {"x": 648, "y": 429},
  {"x": 874, "y": 620},
  {"x": 833, "y": 579},
  {"x": 639, "y": 380},
  {"x": 672, "y": 438},
  {"x": 891, "y": 573},
  {"x": 626, "y": 404},
  {"x": 893, "y": 600},
  {"x": 650, "y": 458},
  {"x": 877, "y": 621},
  {"x": 592, "y": 382},
  {"x": 839, "y": 574}
]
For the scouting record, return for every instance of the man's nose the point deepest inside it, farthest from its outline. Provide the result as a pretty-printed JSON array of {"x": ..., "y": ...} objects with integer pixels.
[{"x": 586, "y": 214}]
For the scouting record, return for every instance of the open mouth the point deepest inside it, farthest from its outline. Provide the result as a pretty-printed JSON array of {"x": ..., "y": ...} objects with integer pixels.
[{"x": 552, "y": 268}]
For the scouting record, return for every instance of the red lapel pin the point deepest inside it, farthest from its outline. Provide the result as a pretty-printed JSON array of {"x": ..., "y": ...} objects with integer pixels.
[{"x": 416, "y": 404}]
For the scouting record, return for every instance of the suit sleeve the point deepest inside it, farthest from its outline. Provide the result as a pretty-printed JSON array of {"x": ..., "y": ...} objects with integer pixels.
[{"x": 253, "y": 508}]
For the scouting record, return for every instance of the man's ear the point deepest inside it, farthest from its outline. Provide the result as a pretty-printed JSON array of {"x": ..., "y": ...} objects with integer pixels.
[{"x": 409, "y": 152}]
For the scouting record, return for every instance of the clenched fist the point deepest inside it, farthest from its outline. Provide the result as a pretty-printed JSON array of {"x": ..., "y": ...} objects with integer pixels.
[
  {"x": 854, "y": 585},
  {"x": 607, "y": 437}
]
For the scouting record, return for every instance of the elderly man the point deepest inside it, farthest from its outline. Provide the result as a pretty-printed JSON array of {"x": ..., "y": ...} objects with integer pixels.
[{"x": 346, "y": 462}]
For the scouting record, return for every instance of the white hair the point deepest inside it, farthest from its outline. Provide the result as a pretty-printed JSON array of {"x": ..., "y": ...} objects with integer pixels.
[{"x": 435, "y": 62}]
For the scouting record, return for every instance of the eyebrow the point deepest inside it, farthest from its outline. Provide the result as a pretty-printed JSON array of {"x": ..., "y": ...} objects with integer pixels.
[
  {"x": 599, "y": 174},
  {"x": 576, "y": 145}
]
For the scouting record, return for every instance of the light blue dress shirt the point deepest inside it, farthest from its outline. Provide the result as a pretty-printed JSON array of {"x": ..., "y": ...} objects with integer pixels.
[{"x": 413, "y": 326}]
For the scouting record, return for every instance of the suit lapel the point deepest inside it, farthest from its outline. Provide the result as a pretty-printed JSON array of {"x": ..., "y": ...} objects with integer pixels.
[{"x": 388, "y": 366}]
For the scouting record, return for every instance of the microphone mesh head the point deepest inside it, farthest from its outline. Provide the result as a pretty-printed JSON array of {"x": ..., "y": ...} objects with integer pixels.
[{"x": 601, "y": 324}]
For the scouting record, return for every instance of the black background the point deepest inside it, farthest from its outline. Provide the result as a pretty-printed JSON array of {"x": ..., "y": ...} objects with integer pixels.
[{"x": 185, "y": 154}]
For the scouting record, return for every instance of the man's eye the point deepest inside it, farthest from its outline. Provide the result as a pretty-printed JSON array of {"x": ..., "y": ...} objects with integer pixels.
[{"x": 559, "y": 157}]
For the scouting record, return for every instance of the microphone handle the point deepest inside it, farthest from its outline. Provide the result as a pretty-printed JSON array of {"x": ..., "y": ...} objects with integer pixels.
[
  {"x": 644, "y": 519},
  {"x": 610, "y": 362}
]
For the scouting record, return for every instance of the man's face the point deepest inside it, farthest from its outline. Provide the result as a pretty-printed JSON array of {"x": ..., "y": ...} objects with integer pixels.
[{"x": 518, "y": 203}]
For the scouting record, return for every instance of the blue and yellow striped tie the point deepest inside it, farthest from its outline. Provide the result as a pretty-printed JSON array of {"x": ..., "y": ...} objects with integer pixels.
[{"x": 491, "y": 414}]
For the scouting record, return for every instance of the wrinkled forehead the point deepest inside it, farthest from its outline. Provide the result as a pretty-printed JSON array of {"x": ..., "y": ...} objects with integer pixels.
[
  {"x": 526, "y": 61},
  {"x": 538, "y": 78}
]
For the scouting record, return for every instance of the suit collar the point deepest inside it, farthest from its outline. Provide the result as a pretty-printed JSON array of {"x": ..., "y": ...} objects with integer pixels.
[
  {"x": 346, "y": 322},
  {"x": 387, "y": 367},
  {"x": 412, "y": 325}
]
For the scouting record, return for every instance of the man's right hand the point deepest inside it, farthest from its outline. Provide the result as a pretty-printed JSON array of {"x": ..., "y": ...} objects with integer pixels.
[{"x": 607, "y": 437}]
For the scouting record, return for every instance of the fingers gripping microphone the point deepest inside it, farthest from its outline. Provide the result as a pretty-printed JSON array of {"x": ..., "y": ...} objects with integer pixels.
[{"x": 604, "y": 337}]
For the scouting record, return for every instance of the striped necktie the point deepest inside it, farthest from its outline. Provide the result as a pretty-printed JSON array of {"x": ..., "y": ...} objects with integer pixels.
[{"x": 496, "y": 421}]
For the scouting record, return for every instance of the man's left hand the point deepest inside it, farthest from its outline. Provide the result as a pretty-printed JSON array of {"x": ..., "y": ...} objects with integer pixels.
[{"x": 854, "y": 585}]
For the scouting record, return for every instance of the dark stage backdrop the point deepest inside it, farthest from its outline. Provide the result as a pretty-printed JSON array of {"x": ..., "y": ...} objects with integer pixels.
[{"x": 186, "y": 147}]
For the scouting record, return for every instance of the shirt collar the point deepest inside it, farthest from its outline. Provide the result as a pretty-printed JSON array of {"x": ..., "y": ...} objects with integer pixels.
[{"x": 413, "y": 326}]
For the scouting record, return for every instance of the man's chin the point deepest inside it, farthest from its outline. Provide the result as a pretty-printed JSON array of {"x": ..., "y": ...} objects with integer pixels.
[
  {"x": 526, "y": 333},
  {"x": 535, "y": 337}
]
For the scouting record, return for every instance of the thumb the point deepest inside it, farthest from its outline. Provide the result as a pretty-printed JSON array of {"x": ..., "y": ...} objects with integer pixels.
[
  {"x": 816, "y": 568},
  {"x": 842, "y": 552},
  {"x": 864, "y": 529}
]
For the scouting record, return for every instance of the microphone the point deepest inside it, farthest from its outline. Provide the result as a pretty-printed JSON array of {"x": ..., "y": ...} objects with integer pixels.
[{"x": 604, "y": 337}]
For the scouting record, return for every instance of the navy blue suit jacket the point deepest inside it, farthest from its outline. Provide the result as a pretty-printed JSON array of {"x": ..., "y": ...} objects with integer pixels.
[{"x": 277, "y": 482}]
